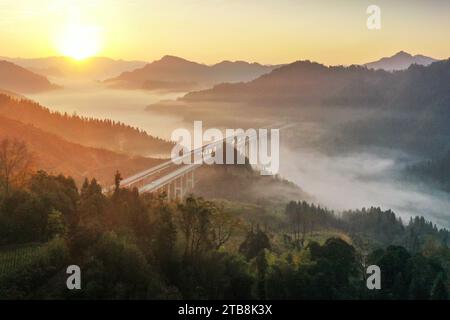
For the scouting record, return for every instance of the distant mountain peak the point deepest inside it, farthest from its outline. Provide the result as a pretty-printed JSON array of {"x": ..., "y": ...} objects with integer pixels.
[
  {"x": 400, "y": 61},
  {"x": 169, "y": 57},
  {"x": 402, "y": 54},
  {"x": 172, "y": 59}
]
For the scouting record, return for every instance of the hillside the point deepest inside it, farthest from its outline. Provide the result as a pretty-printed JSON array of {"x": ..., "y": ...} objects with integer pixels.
[
  {"x": 56, "y": 155},
  {"x": 298, "y": 82},
  {"x": 18, "y": 79},
  {"x": 305, "y": 82},
  {"x": 173, "y": 73},
  {"x": 11, "y": 94},
  {"x": 105, "y": 134},
  {"x": 400, "y": 61}
]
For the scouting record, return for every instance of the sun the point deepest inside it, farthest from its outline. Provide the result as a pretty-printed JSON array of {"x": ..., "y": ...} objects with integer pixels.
[{"x": 79, "y": 42}]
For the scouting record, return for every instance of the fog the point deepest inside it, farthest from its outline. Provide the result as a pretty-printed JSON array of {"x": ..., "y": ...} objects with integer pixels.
[
  {"x": 92, "y": 99},
  {"x": 357, "y": 180},
  {"x": 336, "y": 180}
]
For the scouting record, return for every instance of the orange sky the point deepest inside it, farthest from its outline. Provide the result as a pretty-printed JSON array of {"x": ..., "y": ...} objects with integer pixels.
[{"x": 278, "y": 31}]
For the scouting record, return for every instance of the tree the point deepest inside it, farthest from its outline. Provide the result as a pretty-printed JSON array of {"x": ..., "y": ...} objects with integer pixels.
[
  {"x": 23, "y": 218},
  {"x": 222, "y": 226},
  {"x": 439, "y": 290},
  {"x": 336, "y": 264},
  {"x": 57, "y": 192},
  {"x": 392, "y": 261},
  {"x": 15, "y": 164},
  {"x": 254, "y": 243},
  {"x": 261, "y": 267},
  {"x": 293, "y": 212},
  {"x": 165, "y": 236},
  {"x": 117, "y": 269},
  {"x": 92, "y": 205},
  {"x": 117, "y": 179},
  {"x": 55, "y": 225},
  {"x": 195, "y": 220}
]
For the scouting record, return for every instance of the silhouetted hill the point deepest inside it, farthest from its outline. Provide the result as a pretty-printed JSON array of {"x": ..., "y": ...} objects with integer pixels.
[
  {"x": 301, "y": 81},
  {"x": 56, "y": 155},
  {"x": 97, "y": 68},
  {"x": 105, "y": 134},
  {"x": 305, "y": 82},
  {"x": 16, "y": 78},
  {"x": 180, "y": 74},
  {"x": 400, "y": 61}
]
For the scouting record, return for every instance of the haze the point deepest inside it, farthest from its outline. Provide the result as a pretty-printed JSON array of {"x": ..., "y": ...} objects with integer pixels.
[{"x": 266, "y": 31}]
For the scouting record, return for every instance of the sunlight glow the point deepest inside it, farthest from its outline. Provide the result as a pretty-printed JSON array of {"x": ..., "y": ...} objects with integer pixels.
[{"x": 79, "y": 42}]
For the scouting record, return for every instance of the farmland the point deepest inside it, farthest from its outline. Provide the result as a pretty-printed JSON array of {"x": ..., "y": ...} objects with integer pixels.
[{"x": 13, "y": 257}]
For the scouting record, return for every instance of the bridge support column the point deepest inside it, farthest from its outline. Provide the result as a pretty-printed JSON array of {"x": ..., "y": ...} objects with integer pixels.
[
  {"x": 184, "y": 185},
  {"x": 171, "y": 191},
  {"x": 179, "y": 188},
  {"x": 190, "y": 180},
  {"x": 165, "y": 189}
]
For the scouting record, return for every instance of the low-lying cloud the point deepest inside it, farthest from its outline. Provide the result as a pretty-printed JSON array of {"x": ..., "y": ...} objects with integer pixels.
[{"x": 354, "y": 181}]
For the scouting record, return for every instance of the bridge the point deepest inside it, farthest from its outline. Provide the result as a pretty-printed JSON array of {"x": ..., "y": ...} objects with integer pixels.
[{"x": 176, "y": 180}]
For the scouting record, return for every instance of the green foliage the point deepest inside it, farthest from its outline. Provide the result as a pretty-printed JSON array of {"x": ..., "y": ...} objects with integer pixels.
[
  {"x": 55, "y": 225},
  {"x": 327, "y": 274},
  {"x": 406, "y": 276},
  {"x": 117, "y": 269},
  {"x": 195, "y": 225},
  {"x": 132, "y": 246},
  {"x": 23, "y": 218}
]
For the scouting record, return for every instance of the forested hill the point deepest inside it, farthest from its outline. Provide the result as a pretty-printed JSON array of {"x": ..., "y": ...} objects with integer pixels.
[
  {"x": 58, "y": 156},
  {"x": 105, "y": 134},
  {"x": 305, "y": 82}
]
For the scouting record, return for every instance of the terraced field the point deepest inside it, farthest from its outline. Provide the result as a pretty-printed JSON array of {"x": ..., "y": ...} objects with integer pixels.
[{"x": 12, "y": 258}]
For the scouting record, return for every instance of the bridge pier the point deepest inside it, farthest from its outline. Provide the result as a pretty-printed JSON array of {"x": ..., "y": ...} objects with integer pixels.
[
  {"x": 171, "y": 192},
  {"x": 178, "y": 188},
  {"x": 190, "y": 180}
]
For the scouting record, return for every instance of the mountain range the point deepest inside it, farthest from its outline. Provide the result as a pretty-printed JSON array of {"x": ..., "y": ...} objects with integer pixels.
[
  {"x": 304, "y": 82},
  {"x": 174, "y": 73},
  {"x": 405, "y": 110}
]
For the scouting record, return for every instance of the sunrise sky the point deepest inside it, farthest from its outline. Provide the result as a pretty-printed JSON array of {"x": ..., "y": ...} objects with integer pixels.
[{"x": 267, "y": 31}]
